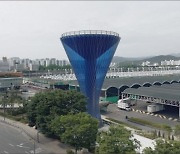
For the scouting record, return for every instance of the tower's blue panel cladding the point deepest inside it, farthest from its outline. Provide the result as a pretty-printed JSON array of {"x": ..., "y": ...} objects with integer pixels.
[{"x": 90, "y": 54}]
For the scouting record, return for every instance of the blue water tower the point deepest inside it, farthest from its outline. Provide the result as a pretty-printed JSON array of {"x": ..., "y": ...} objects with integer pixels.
[{"x": 90, "y": 53}]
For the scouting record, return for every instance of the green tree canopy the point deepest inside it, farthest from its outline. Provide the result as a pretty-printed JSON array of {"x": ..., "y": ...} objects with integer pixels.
[
  {"x": 45, "y": 106},
  {"x": 164, "y": 147},
  {"x": 78, "y": 130},
  {"x": 117, "y": 140}
]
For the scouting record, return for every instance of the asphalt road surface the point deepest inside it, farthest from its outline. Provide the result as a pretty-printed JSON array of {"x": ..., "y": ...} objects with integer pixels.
[
  {"x": 115, "y": 113},
  {"x": 170, "y": 111},
  {"x": 13, "y": 141}
]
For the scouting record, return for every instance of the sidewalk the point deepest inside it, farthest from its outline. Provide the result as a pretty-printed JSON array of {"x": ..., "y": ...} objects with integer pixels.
[{"x": 52, "y": 146}]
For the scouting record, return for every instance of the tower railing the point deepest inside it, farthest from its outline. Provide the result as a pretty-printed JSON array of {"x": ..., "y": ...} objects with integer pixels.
[{"x": 84, "y": 32}]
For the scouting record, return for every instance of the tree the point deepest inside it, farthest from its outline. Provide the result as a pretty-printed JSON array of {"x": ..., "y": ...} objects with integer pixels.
[
  {"x": 117, "y": 140},
  {"x": 45, "y": 106},
  {"x": 164, "y": 147},
  {"x": 78, "y": 130},
  {"x": 54, "y": 67}
]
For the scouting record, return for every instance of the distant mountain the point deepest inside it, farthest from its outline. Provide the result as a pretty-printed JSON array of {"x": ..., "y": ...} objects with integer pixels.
[
  {"x": 155, "y": 59},
  {"x": 117, "y": 59},
  {"x": 158, "y": 59}
]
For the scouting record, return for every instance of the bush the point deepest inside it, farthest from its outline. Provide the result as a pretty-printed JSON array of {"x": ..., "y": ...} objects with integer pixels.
[
  {"x": 69, "y": 151},
  {"x": 18, "y": 111}
]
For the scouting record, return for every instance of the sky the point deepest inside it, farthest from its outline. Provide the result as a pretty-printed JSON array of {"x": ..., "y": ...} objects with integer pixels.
[{"x": 30, "y": 29}]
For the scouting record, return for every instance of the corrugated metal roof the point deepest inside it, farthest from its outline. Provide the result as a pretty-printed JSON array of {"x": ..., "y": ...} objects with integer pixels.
[
  {"x": 164, "y": 92},
  {"x": 118, "y": 82}
]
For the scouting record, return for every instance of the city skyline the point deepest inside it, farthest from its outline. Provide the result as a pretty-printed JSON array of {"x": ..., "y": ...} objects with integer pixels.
[{"x": 32, "y": 29}]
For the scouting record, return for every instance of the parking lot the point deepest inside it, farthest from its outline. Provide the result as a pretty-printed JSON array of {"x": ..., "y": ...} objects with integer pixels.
[
  {"x": 116, "y": 113},
  {"x": 169, "y": 112}
]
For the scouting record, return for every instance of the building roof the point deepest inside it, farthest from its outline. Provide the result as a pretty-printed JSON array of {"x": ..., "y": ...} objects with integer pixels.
[
  {"x": 10, "y": 74},
  {"x": 168, "y": 92},
  {"x": 118, "y": 82}
]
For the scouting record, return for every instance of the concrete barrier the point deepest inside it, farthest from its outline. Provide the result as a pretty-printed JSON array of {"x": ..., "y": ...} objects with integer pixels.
[
  {"x": 170, "y": 118},
  {"x": 164, "y": 117},
  {"x": 160, "y": 116}
]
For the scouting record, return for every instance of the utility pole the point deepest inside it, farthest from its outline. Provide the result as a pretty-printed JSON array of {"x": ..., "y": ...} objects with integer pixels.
[
  {"x": 34, "y": 147},
  {"x": 4, "y": 108},
  {"x": 37, "y": 132},
  {"x": 5, "y": 97}
]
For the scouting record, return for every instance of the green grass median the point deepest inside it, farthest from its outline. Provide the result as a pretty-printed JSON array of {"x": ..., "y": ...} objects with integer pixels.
[
  {"x": 20, "y": 118},
  {"x": 151, "y": 124},
  {"x": 123, "y": 123}
]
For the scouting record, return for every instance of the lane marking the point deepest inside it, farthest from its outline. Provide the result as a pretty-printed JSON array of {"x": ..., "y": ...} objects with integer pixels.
[
  {"x": 38, "y": 150},
  {"x": 11, "y": 144},
  {"x": 22, "y": 146},
  {"x": 6, "y": 152}
]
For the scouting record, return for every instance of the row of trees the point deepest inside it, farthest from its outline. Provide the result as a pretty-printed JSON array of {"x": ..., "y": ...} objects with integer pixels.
[{"x": 54, "y": 67}]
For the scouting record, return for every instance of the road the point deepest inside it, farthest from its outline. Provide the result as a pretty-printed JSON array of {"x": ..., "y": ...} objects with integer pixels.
[
  {"x": 115, "y": 113},
  {"x": 170, "y": 111},
  {"x": 13, "y": 141}
]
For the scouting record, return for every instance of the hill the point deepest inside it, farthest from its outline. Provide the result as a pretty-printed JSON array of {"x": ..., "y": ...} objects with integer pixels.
[
  {"x": 158, "y": 59},
  {"x": 117, "y": 59},
  {"x": 138, "y": 61}
]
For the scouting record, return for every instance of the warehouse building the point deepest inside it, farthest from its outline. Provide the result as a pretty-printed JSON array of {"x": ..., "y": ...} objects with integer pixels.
[
  {"x": 166, "y": 94},
  {"x": 112, "y": 88}
]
